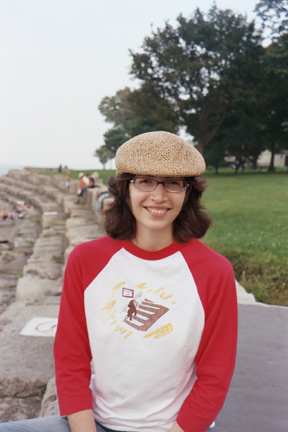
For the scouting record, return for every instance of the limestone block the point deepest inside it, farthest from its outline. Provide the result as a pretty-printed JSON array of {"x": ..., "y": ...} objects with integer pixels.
[
  {"x": 49, "y": 406},
  {"x": 74, "y": 187},
  {"x": 59, "y": 198},
  {"x": 34, "y": 288},
  {"x": 49, "y": 191},
  {"x": 90, "y": 195},
  {"x": 22, "y": 244},
  {"x": 81, "y": 234},
  {"x": 43, "y": 244},
  {"x": 78, "y": 211},
  {"x": 20, "y": 175},
  {"x": 59, "y": 182},
  {"x": 51, "y": 218},
  {"x": 43, "y": 269},
  {"x": 34, "y": 178},
  {"x": 54, "y": 230},
  {"x": 38, "y": 202},
  {"x": 105, "y": 203},
  {"x": 67, "y": 252},
  {"x": 243, "y": 297},
  {"x": 68, "y": 203},
  {"x": 78, "y": 221}
]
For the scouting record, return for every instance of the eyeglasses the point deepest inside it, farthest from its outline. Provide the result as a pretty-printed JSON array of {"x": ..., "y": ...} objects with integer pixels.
[{"x": 149, "y": 184}]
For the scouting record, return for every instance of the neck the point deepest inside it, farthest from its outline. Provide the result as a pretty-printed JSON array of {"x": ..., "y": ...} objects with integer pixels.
[{"x": 152, "y": 241}]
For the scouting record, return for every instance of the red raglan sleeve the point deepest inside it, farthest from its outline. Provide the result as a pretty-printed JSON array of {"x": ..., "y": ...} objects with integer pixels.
[
  {"x": 216, "y": 356},
  {"x": 72, "y": 353}
]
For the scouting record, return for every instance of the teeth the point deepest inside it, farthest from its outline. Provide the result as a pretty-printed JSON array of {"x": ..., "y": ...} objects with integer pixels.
[{"x": 157, "y": 211}]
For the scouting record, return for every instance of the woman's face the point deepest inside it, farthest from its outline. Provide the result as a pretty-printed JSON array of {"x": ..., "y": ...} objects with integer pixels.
[{"x": 155, "y": 211}]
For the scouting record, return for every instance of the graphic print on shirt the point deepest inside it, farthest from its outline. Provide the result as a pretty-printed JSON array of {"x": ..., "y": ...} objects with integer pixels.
[
  {"x": 142, "y": 316},
  {"x": 129, "y": 309},
  {"x": 131, "y": 300}
]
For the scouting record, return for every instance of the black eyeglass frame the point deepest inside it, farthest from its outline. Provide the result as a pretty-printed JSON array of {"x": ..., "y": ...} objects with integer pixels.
[{"x": 185, "y": 184}]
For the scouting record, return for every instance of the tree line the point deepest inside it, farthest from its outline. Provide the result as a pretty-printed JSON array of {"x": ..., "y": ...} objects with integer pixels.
[{"x": 220, "y": 78}]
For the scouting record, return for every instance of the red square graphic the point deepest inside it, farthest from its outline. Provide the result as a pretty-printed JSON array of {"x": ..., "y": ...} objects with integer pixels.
[{"x": 127, "y": 292}]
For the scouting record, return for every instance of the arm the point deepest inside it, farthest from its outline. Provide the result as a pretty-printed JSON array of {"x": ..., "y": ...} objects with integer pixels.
[
  {"x": 176, "y": 428},
  {"x": 82, "y": 421},
  {"x": 215, "y": 359},
  {"x": 71, "y": 348}
]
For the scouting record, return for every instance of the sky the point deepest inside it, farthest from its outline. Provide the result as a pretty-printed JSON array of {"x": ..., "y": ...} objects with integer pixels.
[{"x": 59, "y": 58}]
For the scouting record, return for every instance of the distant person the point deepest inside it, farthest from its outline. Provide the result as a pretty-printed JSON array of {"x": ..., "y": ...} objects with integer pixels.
[
  {"x": 68, "y": 182},
  {"x": 90, "y": 185},
  {"x": 21, "y": 205},
  {"x": 4, "y": 213},
  {"x": 91, "y": 182},
  {"x": 83, "y": 183},
  {"x": 152, "y": 307},
  {"x": 60, "y": 169}
]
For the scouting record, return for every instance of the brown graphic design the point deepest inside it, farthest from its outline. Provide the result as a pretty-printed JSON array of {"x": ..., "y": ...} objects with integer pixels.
[
  {"x": 142, "y": 316},
  {"x": 132, "y": 309}
]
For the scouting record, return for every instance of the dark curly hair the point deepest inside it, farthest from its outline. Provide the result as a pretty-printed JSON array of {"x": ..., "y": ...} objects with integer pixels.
[{"x": 192, "y": 221}]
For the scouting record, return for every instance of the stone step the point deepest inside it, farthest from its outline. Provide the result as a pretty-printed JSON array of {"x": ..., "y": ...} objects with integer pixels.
[
  {"x": 64, "y": 224},
  {"x": 37, "y": 294},
  {"x": 26, "y": 361},
  {"x": 41, "y": 201}
]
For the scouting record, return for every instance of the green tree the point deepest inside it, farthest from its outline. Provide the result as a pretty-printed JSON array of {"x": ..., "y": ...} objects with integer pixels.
[
  {"x": 116, "y": 110},
  {"x": 114, "y": 137},
  {"x": 135, "y": 112},
  {"x": 104, "y": 155},
  {"x": 273, "y": 87},
  {"x": 188, "y": 65},
  {"x": 273, "y": 100},
  {"x": 151, "y": 112},
  {"x": 216, "y": 151}
]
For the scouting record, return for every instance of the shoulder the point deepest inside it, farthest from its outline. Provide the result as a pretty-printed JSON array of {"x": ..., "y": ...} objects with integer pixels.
[
  {"x": 198, "y": 254},
  {"x": 103, "y": 246},
  {"x": 212, "y": 273},
  {"x": 89, "y": 258}
]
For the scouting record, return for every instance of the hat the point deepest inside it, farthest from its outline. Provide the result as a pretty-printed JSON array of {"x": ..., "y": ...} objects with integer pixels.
[
  {"x": 81, "y": 174},
  {"x": 160, "y": 154}
]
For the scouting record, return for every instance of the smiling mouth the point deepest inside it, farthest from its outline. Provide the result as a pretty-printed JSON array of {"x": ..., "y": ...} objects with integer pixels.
[{"x": 157, "y": 211}]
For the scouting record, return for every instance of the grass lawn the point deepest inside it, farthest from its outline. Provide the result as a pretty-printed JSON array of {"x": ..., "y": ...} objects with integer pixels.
[{"x": 250, "y": 228}]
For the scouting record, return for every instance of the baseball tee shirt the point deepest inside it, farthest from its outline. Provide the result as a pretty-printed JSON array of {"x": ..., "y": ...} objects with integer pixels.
[{"x": 160, "y": 329}]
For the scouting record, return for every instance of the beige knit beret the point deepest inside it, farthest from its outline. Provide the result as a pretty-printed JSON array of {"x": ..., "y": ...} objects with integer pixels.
[{"x": 160, "y": 154}]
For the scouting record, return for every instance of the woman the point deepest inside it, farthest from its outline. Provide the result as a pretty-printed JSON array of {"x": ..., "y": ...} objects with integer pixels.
[{"x": 153, "y": 308}]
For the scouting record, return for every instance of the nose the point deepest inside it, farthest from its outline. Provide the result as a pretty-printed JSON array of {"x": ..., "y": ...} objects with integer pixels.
[{"x": 159, "y": 194}]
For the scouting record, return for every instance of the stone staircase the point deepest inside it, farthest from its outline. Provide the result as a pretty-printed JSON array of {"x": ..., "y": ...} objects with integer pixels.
[{"x": 26, "y": 361}]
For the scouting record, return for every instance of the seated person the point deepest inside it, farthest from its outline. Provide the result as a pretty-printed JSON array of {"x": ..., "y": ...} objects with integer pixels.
[{"x": 91, "y": 184}]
